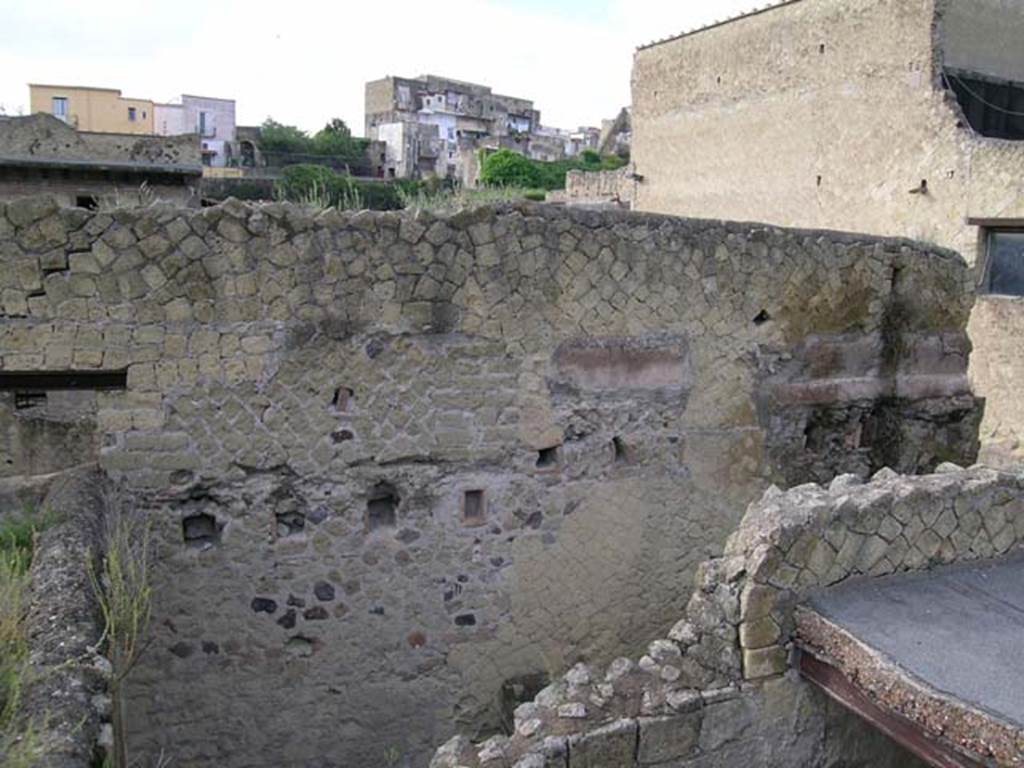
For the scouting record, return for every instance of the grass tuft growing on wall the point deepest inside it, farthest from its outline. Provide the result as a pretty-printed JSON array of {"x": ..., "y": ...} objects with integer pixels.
[
  {"x": 18, "y": 743},
  {"x": 124, "y": 592}
]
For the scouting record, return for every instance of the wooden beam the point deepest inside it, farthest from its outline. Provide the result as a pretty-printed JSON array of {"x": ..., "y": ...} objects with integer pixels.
[
  {"x": 43, "y": 381},
  {"x": 904, "y": 732}
]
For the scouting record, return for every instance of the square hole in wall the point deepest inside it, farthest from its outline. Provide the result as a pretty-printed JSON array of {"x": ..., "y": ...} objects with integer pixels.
[
  {"x": 622, "y": 451},
  {"x": 201, "y": 530},
  {"x": 474, "y": 507},
  {"x": 342, "y": 399},
  {"x": 382, "y": 507},
  {"x": 89, "y": 202},
  {"x": 547, "y": 458}
]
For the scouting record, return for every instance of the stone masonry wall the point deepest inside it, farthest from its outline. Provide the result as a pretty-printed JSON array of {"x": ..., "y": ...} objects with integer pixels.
[
  {"x": 616, "y": 189},
  {"x": 827, "y": 113},
  {"x": 734, "y": 640},
  {"x": 402, "y": 470},
  {"x": 65, "y": 705}
]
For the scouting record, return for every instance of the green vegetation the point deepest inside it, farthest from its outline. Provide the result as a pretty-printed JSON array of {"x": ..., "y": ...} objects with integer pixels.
[
  {"x": 333, "y": 141},
  {"x": 506, "y": 168},
  {"x": 18, "y": 745},
  {"x": 124, "y": 592},
  {"x": 325, "y": 188},
  {"x": 448, "y": 200}
]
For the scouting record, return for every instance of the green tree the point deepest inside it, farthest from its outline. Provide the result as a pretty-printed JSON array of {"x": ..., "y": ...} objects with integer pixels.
[
  {"x": 506, "y": 168},
  {"x": 277, "y": 137},
  {"x": 336, "y": 140}
]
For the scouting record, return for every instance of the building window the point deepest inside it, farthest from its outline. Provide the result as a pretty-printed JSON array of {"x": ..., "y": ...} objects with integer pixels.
[
  {"x": 202, "y": 123},
  {"x": 131, "y": 114},
  {"x": 1004, "y": 262},
  {"x": 993, "y": 107},
  {"x": 60, "y": 107}
]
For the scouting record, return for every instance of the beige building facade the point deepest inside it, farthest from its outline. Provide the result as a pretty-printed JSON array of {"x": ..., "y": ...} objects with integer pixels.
[
  {"x": 891, "y": 117},
  {"x": 99, "y": 110}
]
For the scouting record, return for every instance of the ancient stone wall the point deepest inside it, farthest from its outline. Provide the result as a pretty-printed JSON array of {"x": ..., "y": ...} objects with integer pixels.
[
  {"x": 403, "y": 470},
  {"x": 828, "y": 113},
  {"x": 665, "y": 709},
  {"x": 615, "y": 189},
  {"x": 64, "y": 708}
]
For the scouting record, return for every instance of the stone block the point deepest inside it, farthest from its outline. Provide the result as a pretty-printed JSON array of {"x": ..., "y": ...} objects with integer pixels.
[
  {"x": 664, "y": 739},
  {"x": 759, "y": 633},
  {"x": 611, "y": 745},
  {"x": 764, "y": 662}
]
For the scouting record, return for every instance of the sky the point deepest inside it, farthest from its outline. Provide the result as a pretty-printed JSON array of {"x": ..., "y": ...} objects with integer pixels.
[{"x": 304, "y": 62}]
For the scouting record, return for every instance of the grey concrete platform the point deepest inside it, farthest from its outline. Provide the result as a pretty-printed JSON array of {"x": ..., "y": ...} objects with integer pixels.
[{"x": 960, "y": 629}]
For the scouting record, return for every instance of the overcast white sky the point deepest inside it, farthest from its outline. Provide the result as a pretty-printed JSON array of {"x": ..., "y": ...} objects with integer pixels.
[{"x": 304, "y": 62}]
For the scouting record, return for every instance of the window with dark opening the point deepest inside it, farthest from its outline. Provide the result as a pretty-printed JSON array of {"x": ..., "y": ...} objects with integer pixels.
[
  {"x": 88, "y": 202},
  {"x": 993, "y": 107},
  {"x": 1004, "y": 262},
  {"x": 131, "y": 114},
  {"x": 474, "y": 508}
]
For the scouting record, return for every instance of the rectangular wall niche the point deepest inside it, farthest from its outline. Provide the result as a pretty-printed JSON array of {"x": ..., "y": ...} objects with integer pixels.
[
  {"x": 43, "y": 381},
  {"x": 381, "y": 507},
  {"x": 474, "y": 508}
]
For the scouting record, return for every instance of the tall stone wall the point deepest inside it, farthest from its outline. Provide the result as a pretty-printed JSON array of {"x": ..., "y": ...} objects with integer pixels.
[
  {"x": 403, "y": 470},
  {"x": 828, "y": 113},
  {"x": 824, "y": 113}
]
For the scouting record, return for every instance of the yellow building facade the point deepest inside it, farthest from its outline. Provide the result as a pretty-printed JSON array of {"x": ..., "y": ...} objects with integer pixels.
[{"x": 101, "y": 110}]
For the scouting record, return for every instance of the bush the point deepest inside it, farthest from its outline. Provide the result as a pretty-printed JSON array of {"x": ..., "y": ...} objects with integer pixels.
[
  {"x": 537, "y": 195},
  {"x": 334, "y": 141},
  {"x": 506, "y": 168},
  {"x": 325, "y": 188}
]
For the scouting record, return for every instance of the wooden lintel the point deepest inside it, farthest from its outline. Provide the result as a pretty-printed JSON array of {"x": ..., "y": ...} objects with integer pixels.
[{"x": 903, "y": 731}]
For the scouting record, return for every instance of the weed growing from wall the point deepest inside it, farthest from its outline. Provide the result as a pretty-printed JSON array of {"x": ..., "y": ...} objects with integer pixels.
[
  {"x": 18, "y": 743},
  {"x": 124, "y": 592}
]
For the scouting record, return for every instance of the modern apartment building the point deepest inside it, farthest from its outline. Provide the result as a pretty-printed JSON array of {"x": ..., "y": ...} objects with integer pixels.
[
  {"x": 98, "y": 110},
  {"x": 212, "y": 119}
]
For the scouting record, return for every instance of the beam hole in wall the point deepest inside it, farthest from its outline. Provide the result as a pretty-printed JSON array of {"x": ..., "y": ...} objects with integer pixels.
[
  {"x": 23, "y": 400},
  {"x": 474, "y": 508},
  {"x": 89, "y": 202},
  {"x": 623, "y": 453},
  {"x": 62, "y": 380},
  {"x": 201, "y": 531},
  {"x": 762, "y": 317},
  {"x": 821, "y": 48},
  {"x": 381, "y": 507},
  {"x": 342, "y": 399},
  {"x": 290, "y": 523},
  {"x": 547, "y": 458},
  {"x": 818, "y": 181}
]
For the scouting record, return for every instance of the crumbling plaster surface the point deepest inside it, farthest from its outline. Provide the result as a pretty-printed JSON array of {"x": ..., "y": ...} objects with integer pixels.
[{"x": 310, "y": 397}]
